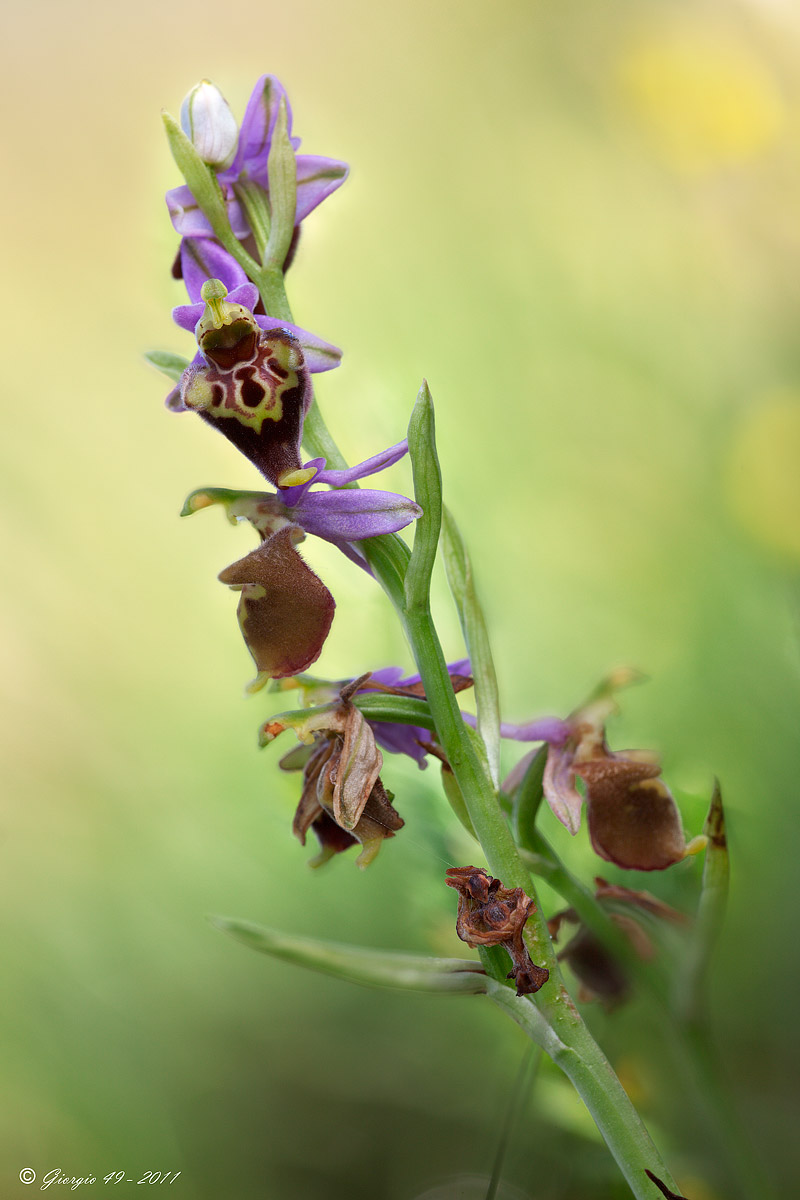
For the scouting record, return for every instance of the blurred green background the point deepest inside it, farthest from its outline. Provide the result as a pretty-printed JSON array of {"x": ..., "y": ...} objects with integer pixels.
[{"x": 581, "y": 223}]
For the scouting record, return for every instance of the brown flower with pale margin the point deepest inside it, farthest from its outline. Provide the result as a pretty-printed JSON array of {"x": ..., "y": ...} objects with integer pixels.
[
  {"x": 343, "y": 799},
  {"x": 285, "y": 611},
  {"x": 600, "y": 973},
  {"x": 633, "y": 820},
  {"x": 492, "y": 915}
]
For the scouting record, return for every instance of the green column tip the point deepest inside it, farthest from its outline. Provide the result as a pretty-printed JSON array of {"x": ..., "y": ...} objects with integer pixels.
[{"x": 214, "y": 292}]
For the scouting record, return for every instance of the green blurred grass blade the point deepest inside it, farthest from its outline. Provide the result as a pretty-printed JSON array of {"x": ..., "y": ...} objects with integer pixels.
[
  {"x": 476, "y": 636},
  {"x": 171, "y": 365},
  {"x": 373, "y": 968}
]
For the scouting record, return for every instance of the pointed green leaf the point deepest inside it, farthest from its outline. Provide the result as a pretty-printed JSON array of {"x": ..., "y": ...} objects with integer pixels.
[
  {"x": 282, "y": 174},
  {"x": 253, "y": 200},
  {"x": 476, "y": 636},
  {"x": 357, "y": 964},
  {"x": 528, "y": 797},
  {"x": 428, "y": 494},
  {"x": 171, "y": 365},
  {"x": 710, "y": 912}
]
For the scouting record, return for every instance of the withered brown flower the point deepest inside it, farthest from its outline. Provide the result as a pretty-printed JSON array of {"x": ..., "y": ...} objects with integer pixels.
[
  {"x": 492, "y": 915},
  {"x": 343, "y": 799},
  {"x": 633, "y": 819},
  {"x": 599, "y": 971}
]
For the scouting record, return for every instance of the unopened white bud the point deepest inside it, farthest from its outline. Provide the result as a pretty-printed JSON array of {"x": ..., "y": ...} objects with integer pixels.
[{"x": 208, "y": 121}]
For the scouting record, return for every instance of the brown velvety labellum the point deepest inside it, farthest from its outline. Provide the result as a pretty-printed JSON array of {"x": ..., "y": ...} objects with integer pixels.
[
  {"x": 633, "y": 820},
  {"x": 285, "y": 610}
]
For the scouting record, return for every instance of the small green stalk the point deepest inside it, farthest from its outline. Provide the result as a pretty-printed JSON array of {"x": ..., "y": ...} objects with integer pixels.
[{"x": 476, "y": 638}]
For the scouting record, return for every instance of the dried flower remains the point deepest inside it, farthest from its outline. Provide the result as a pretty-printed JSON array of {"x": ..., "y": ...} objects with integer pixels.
[{"x": 492, "y": 915}]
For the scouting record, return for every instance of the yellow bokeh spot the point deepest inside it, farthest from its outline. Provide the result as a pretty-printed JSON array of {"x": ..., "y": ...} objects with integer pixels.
[
  {"x": 705, "y": 103},
  {"x": 698, "y": 1189},
  {"x": 633, "y": 1076},
  {"x": 762, "y": 473}
]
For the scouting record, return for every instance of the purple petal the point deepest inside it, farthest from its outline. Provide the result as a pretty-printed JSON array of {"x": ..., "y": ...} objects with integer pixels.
[
  {"x": 204, "y": 258},
  {"x": 370, "y": 466},
  {"x": 258, "y": 123},
  {"x": 559, "y": 789},
  {"x": 173, "y": 401},
  {"x": 351, "y": 515},
  {"x": 401, "y": 739},
  {"x": 546, "y": 729},
  {"x": 391, "y": 676},
  {"x": 353, "y": 553},
  {"x": 189, "y": 221},
  {"x": 185, "y": 214},
  {"x": 316, "y": 179}
]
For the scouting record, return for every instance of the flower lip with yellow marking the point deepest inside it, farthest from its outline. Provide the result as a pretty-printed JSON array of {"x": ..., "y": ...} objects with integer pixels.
[{"x": 295, "y": 478}]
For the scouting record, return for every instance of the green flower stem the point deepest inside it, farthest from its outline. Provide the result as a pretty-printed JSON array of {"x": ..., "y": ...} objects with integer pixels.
[
  {"x": 553, "y": 1022},
  {"x": 598, "y": 1086},
  {"x": 476, "y": 638},
  {"x": 316, "y": 435}
]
